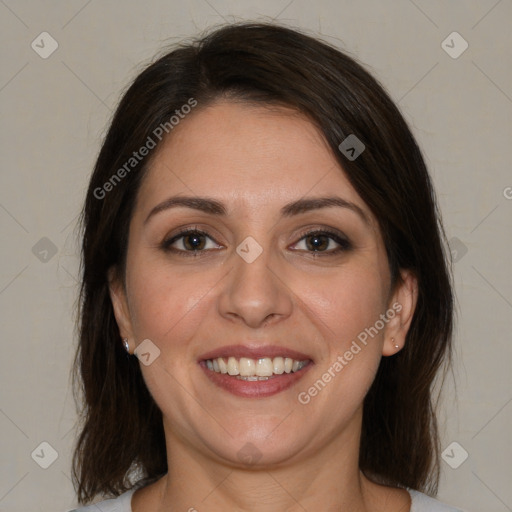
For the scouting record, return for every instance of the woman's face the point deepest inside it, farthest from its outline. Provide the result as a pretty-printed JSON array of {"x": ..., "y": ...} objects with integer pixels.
[{"x": 249, "y": 275}]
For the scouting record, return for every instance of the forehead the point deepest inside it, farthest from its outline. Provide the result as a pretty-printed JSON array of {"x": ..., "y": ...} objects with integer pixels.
[{"x": 245, "y": 154}]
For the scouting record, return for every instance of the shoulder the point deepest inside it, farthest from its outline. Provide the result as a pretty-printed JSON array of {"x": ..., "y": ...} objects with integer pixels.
[
  {"x": 119, "y": 504},
  {"x": 420, "y": 503},
  {"x": 423, "y": 503}
]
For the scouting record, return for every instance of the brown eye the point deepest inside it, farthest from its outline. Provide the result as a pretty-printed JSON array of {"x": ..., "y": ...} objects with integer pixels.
[
  {"x": 194, "y": 242},
  {"x": 317, "y": 242},
  {"x": 323, "y": 242},
  {"x": 191, "y": 241}
]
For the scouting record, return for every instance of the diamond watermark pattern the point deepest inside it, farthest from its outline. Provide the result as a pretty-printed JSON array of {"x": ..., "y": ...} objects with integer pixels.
[
  {"x": 249, "y": 249},
  {"x": 147, "y": 352},
  {"x": 454, "y": 455},
  {"x": 44, "y": 250},
  {"x": 249, "y": 454},
  {"x": 44, "y": 45},
  {"x": 45, "y": 455},
  {"x": 351, "y": 147},
  {"x": 454, "y": 45},
  {"x": 457, "y": 248}
]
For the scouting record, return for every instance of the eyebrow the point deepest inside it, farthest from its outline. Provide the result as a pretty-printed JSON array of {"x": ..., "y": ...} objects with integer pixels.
[{"x": 214, "y": 207}]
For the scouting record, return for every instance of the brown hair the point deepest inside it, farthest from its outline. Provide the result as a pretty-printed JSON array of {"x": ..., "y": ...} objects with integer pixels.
[{"x": 121, "y": 430}]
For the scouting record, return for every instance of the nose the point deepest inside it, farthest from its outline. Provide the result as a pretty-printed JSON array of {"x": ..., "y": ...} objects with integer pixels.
[{"x": 255, "y": 293}]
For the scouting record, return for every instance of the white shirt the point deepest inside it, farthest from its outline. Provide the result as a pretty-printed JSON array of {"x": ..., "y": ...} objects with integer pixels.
[{"x": 420, "y": 503}]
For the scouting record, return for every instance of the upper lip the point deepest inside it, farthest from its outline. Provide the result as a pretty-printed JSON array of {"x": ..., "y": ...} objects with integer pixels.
[{"x": 254, "y": 352}]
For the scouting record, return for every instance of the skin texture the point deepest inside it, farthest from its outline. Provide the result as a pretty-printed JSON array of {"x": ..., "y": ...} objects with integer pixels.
[{"x": 255, "y": 160}]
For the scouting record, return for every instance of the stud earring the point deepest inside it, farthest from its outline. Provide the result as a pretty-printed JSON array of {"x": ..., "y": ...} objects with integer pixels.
[
  {"x": 126, "y": 345},
  {"x": 393, "y": 341}
]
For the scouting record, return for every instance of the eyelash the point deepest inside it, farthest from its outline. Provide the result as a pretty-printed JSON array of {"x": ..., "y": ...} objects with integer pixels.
[{"x": 344, "y": 244}]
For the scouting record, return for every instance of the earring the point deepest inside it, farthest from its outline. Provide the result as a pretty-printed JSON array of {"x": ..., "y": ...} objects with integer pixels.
[
  {"x": 393, "y": 341},
  {"x": 126, "y": 345}
]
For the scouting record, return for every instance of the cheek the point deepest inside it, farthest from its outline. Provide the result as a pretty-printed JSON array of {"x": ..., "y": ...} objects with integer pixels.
[
  {"x": 346, "y": 303},
  {"x": 345, "y": 309},
  {"x": 165, "y": 302},
  {"x": 168, "y": 307}
]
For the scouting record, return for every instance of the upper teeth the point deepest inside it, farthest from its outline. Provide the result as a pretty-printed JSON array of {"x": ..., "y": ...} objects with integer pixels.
[{"x": 263, "y": 367}]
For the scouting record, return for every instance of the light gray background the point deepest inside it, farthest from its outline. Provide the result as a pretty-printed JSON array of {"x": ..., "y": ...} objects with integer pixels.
[{"x": 55, "y": 111}]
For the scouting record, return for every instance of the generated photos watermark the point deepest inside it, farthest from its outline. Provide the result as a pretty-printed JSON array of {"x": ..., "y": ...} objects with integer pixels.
[
  {"x": 304, "y": 397},
  {"x": 151, "y": 142}
]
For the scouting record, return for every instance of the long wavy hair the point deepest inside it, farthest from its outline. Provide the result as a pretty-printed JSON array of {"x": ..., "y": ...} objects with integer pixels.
[{"x": 121, "y": 441}]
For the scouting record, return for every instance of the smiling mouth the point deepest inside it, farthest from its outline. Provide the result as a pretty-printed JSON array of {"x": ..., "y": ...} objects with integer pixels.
[
  {"x": 255, "y": 370},
  {"x": 264, "y": 368}
]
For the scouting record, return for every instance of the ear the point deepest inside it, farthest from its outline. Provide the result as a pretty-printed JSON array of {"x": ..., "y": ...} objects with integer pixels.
[
  {"x": 120, "y": 305},
  {"x": 403, "y": 304}
]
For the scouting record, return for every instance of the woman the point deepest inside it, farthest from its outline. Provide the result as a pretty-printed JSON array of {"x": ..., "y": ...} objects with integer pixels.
[{"x": 265, "y": 294}]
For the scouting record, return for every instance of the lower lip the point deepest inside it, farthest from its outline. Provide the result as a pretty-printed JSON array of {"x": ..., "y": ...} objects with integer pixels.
[{"x": 255, "y": 388}]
